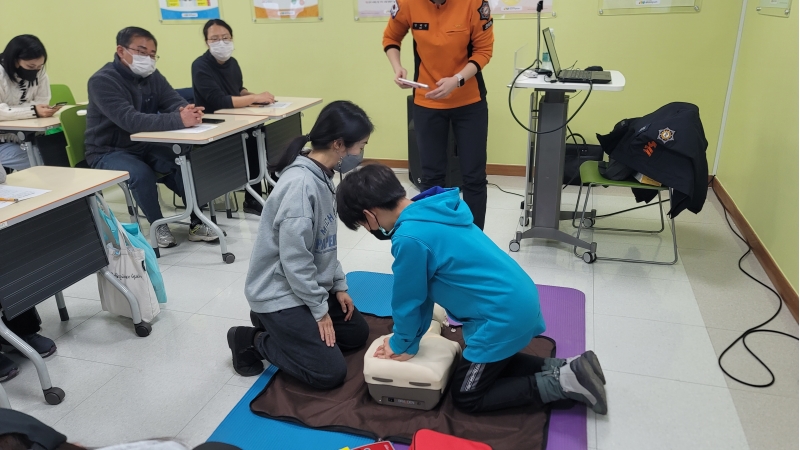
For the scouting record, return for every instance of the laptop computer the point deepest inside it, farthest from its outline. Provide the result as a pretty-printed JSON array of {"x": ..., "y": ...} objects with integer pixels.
[{"x": 572, "y": 76}]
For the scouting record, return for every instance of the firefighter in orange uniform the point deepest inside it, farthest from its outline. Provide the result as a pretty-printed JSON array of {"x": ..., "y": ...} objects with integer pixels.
[{"x": 453, "y": 42}]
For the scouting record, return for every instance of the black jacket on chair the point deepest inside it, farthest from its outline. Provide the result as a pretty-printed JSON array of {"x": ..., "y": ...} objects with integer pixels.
[{"x": 667, "y": 145}]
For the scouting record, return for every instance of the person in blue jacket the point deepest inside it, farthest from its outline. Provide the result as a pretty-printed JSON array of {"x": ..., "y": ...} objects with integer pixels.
[{"x": 442, "y": 257}]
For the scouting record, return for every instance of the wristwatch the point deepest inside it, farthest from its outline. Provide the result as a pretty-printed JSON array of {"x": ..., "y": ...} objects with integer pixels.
[{"x": 460, "y": 79}]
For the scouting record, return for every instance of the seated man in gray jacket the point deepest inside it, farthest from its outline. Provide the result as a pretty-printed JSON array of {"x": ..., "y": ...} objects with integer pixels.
[{"x": 129, "y": 96}]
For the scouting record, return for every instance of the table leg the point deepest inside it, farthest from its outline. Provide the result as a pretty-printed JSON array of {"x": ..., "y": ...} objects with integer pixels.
[
  {"x": 52, "y": 395},
  {"x": 262, "y": 164},
  {"x": 547, "y": 155},
  {"x": 527, "y": 204},
  {"x": 132, "y": 209},
  {"x": 30, "y": 150},
  {"x": 4, "y": 403},
  {"x": 262, "y": 156},
  {"x": 188, "y": 177},
  {"x": 62, "y": 307},
  {"x": 190, "y": 204}
]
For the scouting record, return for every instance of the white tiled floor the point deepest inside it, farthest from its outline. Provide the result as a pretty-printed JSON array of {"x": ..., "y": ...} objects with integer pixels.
[{"x": 657, "y": 329}]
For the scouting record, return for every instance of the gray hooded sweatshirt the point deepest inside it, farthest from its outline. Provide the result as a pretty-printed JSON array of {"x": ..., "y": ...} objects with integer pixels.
[{"x": 294, "y": 260}]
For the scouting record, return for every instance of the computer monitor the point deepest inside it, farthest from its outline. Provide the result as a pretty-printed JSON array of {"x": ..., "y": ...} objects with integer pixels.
[{"x": 551, "y": 49}]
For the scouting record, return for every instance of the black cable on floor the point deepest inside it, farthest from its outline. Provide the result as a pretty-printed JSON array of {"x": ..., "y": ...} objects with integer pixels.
[
  {"x": 755, "y": 329},
  {"x": 631, "y": 209},
  {"x": 503, "y": 190}
]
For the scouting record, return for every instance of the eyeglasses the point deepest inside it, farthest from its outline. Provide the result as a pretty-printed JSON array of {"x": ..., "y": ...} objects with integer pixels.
[
  {"x": 225, "y": 39},
  {"x": 144, "y": 53}
]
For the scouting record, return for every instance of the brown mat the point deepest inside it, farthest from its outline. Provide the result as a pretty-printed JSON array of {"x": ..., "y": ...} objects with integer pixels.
[{"x": 350, "y": 409}]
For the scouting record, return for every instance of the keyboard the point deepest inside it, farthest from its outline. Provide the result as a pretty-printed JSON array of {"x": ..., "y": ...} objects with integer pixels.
[
  {"x": 575, "y": 74},
  {"x": 584, "y": 76}
]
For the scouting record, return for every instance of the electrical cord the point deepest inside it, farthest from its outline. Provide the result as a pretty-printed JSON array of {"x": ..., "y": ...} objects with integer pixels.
[
  {"x": 539, "y": 8},
  {"x": 510, "y": 108},
  {"x": 503, "y": 190},
  {"x": 577, "y": 94},
  {"x": 631, "y": 209},
  {"x": 757, "y": 328}
]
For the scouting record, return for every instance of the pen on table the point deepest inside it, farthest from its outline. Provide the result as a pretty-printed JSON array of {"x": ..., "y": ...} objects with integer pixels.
[{"x": 15, "y": 200}]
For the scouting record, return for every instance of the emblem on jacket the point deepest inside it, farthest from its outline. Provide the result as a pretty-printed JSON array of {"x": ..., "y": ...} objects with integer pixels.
[
  {"x": 666, "y": 135},
  {"x": 394, "y": 9},
  {"x": 485, "y": 10}
]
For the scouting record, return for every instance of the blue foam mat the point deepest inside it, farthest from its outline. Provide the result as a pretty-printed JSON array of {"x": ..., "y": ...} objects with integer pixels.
[{"x": 371, "y": 293}]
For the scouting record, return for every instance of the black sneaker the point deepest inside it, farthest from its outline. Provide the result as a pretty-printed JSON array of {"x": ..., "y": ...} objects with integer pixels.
[
  {"x": 245, "y": 360},
  {"x": 42, "y": 345},
  {"x": 252, "y": 207},
  {"x": 8, "y": 368}
]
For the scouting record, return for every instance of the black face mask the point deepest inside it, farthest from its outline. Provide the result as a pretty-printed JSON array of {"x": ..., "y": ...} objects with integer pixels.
[
  {"x": 380, "y": 236},
  {"x": 28, "y": 75}
]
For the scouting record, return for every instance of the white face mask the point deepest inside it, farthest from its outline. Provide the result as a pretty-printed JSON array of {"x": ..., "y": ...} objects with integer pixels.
[
  {"x": 221, "y": 50},
  {"x": 143, "y": 66}
]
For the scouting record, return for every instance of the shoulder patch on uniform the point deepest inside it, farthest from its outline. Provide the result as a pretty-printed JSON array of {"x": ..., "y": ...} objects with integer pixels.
[
  {"x": 394, "y": 9},
  {"x": 666, "y": 135},
  {"x": 488, "y": 24},
  {"x": 485, "y": 10}
]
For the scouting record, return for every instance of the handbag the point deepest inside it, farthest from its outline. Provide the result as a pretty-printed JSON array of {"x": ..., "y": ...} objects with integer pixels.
[
  {"x": 127, "y": 264},
  {"x": 137, "y": 239},
  {"x": 576, "y": 155},
  {"x": 425, "y": 439}
]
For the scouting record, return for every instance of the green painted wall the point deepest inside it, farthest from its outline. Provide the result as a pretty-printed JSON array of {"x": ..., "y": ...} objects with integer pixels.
[
  {"x": 759, "y": 157},
  {"x": 665, "y": 58}
]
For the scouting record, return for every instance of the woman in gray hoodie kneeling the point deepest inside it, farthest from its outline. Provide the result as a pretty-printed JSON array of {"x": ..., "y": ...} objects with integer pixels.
[{"x": 302, "y": 316}]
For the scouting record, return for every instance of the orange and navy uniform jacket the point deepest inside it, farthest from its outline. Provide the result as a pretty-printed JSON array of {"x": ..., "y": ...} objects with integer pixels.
[{"x": 446, "y": 38}]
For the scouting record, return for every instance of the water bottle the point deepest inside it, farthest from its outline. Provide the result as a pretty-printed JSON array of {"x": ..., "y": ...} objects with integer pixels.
[{"x": 546, "y": 64}]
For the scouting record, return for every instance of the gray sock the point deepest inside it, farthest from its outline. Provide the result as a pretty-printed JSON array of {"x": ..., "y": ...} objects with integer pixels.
[
  {"x": 576, "y": 381},
  {"x": 548, "y": 385},
  {"x": 552, "y": 363}
]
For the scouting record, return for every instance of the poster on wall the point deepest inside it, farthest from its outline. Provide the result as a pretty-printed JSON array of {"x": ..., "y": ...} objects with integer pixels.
[
  {"x": 775, "y": 8},
  {"x": 501, "y": 9},
  {"x": 274, "y": 11},
  {"x": 507, "y": 9},
  {"x": 618, "y": 7},
  {"x": 373, "y": 9},
  {"x": 178, "y": 11}
]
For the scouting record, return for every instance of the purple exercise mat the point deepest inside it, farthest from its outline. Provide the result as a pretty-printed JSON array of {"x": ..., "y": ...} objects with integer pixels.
[{"x": 564, "y": 311}]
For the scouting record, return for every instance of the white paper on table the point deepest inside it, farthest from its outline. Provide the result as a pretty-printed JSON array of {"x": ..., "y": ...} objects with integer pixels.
[
  {"x": 196, "y": 129},
  {"x": 277, "y": 105},
  {"x": 20, "y": 193}
]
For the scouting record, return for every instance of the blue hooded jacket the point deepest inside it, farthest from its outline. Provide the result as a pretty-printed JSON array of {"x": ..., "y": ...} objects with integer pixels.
[{"x": 442, "y": 257}]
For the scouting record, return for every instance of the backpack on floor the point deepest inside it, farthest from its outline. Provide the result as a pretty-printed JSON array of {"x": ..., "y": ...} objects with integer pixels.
[{"x": 431, "y": 440}]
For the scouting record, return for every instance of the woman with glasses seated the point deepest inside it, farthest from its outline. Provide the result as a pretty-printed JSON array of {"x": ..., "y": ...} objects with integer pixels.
[{"x": 217, "y": 84}]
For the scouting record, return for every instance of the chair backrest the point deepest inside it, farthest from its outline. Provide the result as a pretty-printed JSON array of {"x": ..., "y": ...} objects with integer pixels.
[
  {"x": 186, "y": 93},
  {"x": 74, "y": 125},
  {"x": 61, "y": 93}
]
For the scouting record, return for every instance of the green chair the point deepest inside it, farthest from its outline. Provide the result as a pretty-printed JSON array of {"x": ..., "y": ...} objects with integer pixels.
[
  {"x": 73, "y": 120},
  {"x": 61, "y": 93},
  {"x": 590, "y": 176}
]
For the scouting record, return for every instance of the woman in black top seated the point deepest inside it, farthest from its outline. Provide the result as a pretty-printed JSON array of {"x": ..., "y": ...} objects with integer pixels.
[{"x": 217, "y": 84}]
